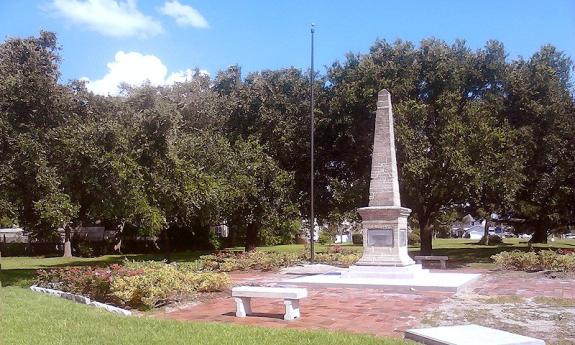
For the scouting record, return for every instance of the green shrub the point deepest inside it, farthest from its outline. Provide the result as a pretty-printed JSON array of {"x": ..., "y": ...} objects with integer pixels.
[
  {"x": 340, "y": 259},
  {"x": 93, "y": 282},
  {"x": 531, "y": 261},
  {"x": 357, "y": 239},
  {"x": 256, "y": 260},
  {"x": 159, "y": 286},
  {"x": 493, "y": 240},
  {"x": 413, "y": 238},
  {"x": 325, "y": 238}
]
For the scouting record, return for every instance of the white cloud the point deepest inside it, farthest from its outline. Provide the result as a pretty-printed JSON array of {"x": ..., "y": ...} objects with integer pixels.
[
  {"x": 185, "y": 15},
  {"x": 183, "y": 76},
  {"x": 116, "y": 18},
  {"x": 134, "y": 68}
]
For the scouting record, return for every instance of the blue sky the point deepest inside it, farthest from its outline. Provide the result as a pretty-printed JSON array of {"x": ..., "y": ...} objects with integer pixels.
[{"x": 161, "y": 39}]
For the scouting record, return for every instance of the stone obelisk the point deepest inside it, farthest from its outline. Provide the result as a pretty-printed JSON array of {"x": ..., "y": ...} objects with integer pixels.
[{"x": 384, "y": 221}]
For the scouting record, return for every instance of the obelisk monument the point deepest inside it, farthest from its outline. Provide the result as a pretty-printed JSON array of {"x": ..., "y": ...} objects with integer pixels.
[{"x": 384, "y": 221}]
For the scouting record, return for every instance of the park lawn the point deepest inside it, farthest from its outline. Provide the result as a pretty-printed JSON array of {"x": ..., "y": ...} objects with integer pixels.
[
  {"x": 19, "y": 271},
  {"x": 32, "y": 318}
]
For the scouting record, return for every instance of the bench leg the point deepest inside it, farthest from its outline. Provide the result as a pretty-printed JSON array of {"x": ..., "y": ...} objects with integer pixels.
[
  {"x": 443, "y": 264},
  {"x": 243, "y": 306},
  {"x": 292, "y": 309}
]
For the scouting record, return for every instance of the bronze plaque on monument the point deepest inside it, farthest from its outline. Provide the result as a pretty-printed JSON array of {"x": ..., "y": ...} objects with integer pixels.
[{"x": 380, "y": 238}]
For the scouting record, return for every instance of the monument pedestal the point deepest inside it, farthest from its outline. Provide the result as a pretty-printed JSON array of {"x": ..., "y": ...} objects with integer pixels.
[{"x": 384, "y": 236}]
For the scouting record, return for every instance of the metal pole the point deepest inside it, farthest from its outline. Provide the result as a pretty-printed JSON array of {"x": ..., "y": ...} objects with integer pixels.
[{"x": 311, "y": 216}]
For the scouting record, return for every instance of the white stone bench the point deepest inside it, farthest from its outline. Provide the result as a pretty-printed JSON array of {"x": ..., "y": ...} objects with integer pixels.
[
  {"x": 291, "y": 297},
  {"x": 420, "y": 258}
]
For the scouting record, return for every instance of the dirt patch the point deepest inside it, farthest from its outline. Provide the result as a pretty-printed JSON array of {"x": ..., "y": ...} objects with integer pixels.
[{"x": 545, "y": 318}]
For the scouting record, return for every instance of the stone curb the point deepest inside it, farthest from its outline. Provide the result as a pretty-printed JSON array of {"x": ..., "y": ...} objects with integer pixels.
[{"x": 81, "y": 300}]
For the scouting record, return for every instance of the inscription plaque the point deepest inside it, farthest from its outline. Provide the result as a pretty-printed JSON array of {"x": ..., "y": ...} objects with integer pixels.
[
  {"x": 403, "y": 238},
  {"x": 380, "y": 238}
]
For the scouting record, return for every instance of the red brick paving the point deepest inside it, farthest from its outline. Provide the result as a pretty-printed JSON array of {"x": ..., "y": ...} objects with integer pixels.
[
  {"x": 370, "y": 311},
  {"x": 525, "y": 285}
]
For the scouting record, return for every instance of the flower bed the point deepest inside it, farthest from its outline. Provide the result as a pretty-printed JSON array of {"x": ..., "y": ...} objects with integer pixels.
[{"x": 142, "y": 287}]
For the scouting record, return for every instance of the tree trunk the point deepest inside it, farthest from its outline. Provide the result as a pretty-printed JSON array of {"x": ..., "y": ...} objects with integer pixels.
[
  {"x": 540, "y": 234},
  {"x": 118, "y": 246},
  {"x": 167, "y": 246},
  {"x": 67, "y": 242},
  {"x": 251, "y": 237},
  {"x": 485, "y": 239},
  {"x": 425, "y": 234}
]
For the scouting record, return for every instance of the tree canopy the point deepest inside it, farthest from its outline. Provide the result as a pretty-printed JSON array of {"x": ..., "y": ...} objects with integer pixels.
[{"x": 475, "y": 131}]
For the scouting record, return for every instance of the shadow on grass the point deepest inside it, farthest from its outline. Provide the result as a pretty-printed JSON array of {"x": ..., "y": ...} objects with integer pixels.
[
  {"x": 18, "y": 277},
  {"x": 460, "y": 257},
  {"x": 118, "y": 259},
  {"x": 24, "y": 276}
]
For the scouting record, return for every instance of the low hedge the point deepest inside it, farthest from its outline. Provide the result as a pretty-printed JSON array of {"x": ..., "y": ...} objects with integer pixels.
[
  {"x": 265, "y": 261},
  {"x": 532, "y": 261}
]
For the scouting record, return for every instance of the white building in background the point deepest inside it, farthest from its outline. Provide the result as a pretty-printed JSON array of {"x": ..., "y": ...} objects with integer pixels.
[
  {"x": 13, "y": 235},
  {"x": 344, "y": 232},
  {"x": 475, "y": 231},
  {"x": 304, "y": 231}
]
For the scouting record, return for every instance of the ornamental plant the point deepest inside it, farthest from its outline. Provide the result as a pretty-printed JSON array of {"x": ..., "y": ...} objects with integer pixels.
[
  {"x": 532, "y": 261},
  {"x": 134, "y": 285}
]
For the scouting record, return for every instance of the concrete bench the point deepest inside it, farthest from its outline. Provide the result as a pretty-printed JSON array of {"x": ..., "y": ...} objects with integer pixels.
[
  {"x": 443, "y": 259},
  {"x": 291, "y": 297}
]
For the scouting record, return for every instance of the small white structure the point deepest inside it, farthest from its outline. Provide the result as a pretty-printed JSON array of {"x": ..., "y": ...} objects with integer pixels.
[
  {"x": 291, "y": 296},
  {"x": 475, "y": 232},
  {"x": 13, "y": 235}
]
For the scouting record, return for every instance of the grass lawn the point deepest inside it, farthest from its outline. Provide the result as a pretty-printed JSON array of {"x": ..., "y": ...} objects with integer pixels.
[
  {"x": 19, "y": 271},
  {"x": 31, "y": 318}
]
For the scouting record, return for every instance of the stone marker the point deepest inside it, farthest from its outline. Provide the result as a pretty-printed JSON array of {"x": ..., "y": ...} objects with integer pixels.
[
  {"x": 384, "y": 221},
  {"x": 385, "y": 262},
  {"x": 468, "y": 335}
]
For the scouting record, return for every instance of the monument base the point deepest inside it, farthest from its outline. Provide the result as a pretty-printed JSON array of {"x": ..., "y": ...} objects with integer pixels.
[
  {"x": 439, "y": 282},
  {"x": 384, "y": 272}
]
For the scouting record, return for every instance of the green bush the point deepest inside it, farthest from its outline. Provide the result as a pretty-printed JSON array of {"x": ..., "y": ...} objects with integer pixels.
[
  {"x": 227, "y": 262},
  {"x": 93, "y": 282},
  {"x": 413, "y": 238},
  {"x": 531, "y": 261},
  {"x": 357, "y": 239},
  {"x": 159, "y": 286},
  {"x": 493, "y": 240},
  {"x": 325, "y": 238},
  {"x": 341, "y": 259}
]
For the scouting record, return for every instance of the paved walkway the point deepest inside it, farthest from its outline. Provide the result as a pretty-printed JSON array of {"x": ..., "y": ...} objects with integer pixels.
[{"x": 369, "y": 311}]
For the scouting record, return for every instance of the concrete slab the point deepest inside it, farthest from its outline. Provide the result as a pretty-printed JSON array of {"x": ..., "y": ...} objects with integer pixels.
[
  {"x": 385, "y": 272},
  {"x": 442, "y": 282},
  {"x": 308, "y": 269},
  {"x": 468, "y": 335}
]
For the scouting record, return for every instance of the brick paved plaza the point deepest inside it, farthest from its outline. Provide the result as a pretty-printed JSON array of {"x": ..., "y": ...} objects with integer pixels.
[{"x": 371, "y": 311}]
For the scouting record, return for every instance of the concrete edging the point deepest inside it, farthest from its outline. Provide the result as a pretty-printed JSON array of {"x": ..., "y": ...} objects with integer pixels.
[{"x": 81, "y": 300}]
